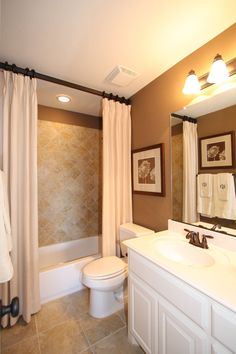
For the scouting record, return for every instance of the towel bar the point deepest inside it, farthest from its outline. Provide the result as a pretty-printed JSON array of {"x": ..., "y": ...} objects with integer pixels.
[{"x": 12, "y": 309}]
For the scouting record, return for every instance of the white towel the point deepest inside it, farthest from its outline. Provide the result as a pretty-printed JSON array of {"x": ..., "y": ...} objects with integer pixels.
[
  {"x": 6, "y": 214},
  {"x": 224, "y": 196},
  {"x": 205, "y": 185},
  {"x": 223, "y": 182},
  {"x": 6, "y": 269},
  {"x": 205, "y": 204}
]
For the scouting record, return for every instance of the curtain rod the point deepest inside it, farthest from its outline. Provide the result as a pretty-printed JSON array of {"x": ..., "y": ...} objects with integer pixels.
[
  {"x": 184, "y": 118},
  {"x": 33, "y": 74}
]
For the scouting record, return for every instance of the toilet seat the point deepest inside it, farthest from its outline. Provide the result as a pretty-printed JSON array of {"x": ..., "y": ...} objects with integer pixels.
[{"x": 105, "y": 268}]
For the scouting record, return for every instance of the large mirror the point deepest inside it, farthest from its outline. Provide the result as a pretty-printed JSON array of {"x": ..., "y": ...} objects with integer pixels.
[{"x": 215, "y": 114}]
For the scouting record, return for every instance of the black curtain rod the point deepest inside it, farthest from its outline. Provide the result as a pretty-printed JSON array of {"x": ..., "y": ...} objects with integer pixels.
[
  {"x": 33, "y": 74},
  {"x": 184, "y": 118}
]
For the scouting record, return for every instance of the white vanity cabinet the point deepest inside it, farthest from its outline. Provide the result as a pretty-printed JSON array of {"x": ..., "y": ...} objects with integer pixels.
[{"x": 167, "y": 316}]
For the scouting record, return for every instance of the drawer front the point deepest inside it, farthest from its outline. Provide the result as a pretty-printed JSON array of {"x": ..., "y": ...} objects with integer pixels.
[
  {"x": 185, "y": 298},
  {"x": 223, "y": 326}
]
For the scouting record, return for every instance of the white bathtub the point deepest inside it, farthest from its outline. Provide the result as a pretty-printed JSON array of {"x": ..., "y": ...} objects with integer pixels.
[{"x": 61, "y": 264}]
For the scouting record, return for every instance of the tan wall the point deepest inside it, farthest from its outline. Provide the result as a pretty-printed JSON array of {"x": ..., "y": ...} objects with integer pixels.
[
  {"x": 151, "y": 108},
  {"x": 69, "y": 176}
]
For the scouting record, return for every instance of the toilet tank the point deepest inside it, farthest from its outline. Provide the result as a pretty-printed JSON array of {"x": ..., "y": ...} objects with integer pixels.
[{"x": 130, "y": 230}]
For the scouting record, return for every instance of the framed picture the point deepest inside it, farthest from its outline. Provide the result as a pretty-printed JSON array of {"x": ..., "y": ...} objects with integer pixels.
[
  {"x": 148, "y": 170},
  {"x": 217, "y": 151}
]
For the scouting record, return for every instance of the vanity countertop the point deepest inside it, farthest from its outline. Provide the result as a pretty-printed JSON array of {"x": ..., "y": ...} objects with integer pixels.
[{"x": 217, "y": 280}]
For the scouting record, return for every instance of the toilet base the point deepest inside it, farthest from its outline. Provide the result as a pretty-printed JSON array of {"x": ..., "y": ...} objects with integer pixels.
[{"x": 105, "y": 303}]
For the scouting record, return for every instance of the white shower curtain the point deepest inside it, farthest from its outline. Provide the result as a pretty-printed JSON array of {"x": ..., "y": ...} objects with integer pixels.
[
  {"x": 190, "y": 170},
  {"x": 19, "y": 119},
  {"x": 117, "y": 192}
]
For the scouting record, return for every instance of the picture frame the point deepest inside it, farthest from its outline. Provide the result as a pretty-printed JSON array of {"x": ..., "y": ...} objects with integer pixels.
[
  {"x": 148, "y": 170},
  {"x": 216, "y": 151}
]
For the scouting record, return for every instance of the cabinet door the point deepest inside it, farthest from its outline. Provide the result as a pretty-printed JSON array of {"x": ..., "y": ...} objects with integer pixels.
[
  {"x": 218, "y": 348},
  {"x": 178, "y": 334},
  {"x": 143, "y": 314}
]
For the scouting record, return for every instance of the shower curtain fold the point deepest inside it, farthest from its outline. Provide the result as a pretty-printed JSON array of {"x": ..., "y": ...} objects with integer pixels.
[
  {"x": 117, "y": 192},
  {"x": 19, "y": 119}
]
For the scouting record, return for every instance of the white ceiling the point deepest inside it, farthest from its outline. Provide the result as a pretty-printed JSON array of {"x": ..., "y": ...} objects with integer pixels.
[{"x": 82, "y": 41}]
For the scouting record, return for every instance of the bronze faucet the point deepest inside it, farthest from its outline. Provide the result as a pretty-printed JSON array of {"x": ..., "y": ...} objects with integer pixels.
[
  {"x": 214, "y": 227},
  {"x": 195, "y": 240}
]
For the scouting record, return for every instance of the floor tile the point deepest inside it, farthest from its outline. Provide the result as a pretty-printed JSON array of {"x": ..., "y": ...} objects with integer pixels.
[
  {"x": 87, "y": 351},
  {"x": 97, "y": 329},
  {"x": 26, "y": 346},
  {"x": 17, "y": 333},
  {"x": 123, "y": 314},
  {"x": 77, "y": 303},
  {"x": 65, "y": 338},
  {"x": 52, "y": 314},
  {"x": 116, "y": 344}
]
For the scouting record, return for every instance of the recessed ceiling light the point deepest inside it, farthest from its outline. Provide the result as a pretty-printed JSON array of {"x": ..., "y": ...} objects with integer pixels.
[{"x": 63, "y": 98}]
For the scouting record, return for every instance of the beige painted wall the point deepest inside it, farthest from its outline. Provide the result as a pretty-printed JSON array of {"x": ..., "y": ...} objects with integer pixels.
[
  {"x": 69, "y": 176},
  {"x": 151, "y": 108}
]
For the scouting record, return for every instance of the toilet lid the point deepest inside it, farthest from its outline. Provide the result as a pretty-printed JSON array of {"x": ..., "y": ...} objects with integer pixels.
[{"x": 105, "y": 267}]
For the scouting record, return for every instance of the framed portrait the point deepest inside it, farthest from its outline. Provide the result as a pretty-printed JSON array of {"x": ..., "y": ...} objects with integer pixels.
[
  {"x": 217, "y": 151},
  {"x": 148, "y": 170}
]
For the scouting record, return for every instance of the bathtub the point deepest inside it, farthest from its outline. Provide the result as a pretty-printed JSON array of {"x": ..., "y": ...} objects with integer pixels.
[{"x": 60, "y": 266}]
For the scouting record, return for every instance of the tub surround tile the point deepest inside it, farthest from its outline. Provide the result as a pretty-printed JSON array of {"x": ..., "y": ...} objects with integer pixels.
[
  {"x": 22, "y": 330},
  {"x": 69, "y": 169},
  {"x": 116, "y": 344},
  {"x": 66, "y": 337},
  {"x": 96, "y": 329},
  {"x": 25, "y": 346}
]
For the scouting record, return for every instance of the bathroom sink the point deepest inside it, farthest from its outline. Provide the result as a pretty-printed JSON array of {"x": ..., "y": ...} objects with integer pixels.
[{"x": 184, "y": 253}]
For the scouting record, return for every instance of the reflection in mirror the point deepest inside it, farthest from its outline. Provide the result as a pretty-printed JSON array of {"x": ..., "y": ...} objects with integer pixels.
[{"x": 215, "y": 116}]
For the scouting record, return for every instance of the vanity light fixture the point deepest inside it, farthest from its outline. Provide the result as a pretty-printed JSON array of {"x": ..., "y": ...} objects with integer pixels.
[
  {"x": 219, "y": 71},
  {"x": 63, "y": 98},
  {"x": 192, "y": 84}
]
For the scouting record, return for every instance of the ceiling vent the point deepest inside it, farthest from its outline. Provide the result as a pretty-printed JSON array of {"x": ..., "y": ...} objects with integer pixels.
[{"x": 121, "y": 76}]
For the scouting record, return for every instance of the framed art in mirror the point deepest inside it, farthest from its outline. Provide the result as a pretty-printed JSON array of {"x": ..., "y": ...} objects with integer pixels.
[
  {"x": 217, "y": 151},
  {"x": 148, "y": 170}
]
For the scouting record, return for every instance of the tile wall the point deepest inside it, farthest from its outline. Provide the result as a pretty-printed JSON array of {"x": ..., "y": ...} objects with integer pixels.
[{"x": 69, "y": 181}]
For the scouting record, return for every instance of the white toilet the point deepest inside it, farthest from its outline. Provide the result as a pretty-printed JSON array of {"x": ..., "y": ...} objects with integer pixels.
[{"x": 106, "y": 276}]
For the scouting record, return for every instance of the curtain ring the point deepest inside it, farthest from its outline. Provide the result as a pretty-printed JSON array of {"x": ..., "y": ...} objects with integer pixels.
[
  {"x": 32, "y": 74},
  {"x": 26, "y": 72},
  {"x": 14, "y": 68}
]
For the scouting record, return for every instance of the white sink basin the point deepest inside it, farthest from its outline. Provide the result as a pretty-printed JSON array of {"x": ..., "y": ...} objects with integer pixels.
[{"x": 184, "y": 253}]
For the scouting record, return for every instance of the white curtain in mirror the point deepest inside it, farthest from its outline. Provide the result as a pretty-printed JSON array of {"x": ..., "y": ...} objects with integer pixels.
[
  {"x": 117, "y": 192},
  {"x": 190, "y": 171}
]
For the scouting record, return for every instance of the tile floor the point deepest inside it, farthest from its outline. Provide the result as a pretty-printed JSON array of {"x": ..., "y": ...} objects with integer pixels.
[{"x": 64, "y": 326}]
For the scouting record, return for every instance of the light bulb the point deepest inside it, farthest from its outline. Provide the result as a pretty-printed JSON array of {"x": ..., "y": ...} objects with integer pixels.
[
  {"x": 192, "y": 85},
  {"x": 219, "y": 71}
]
